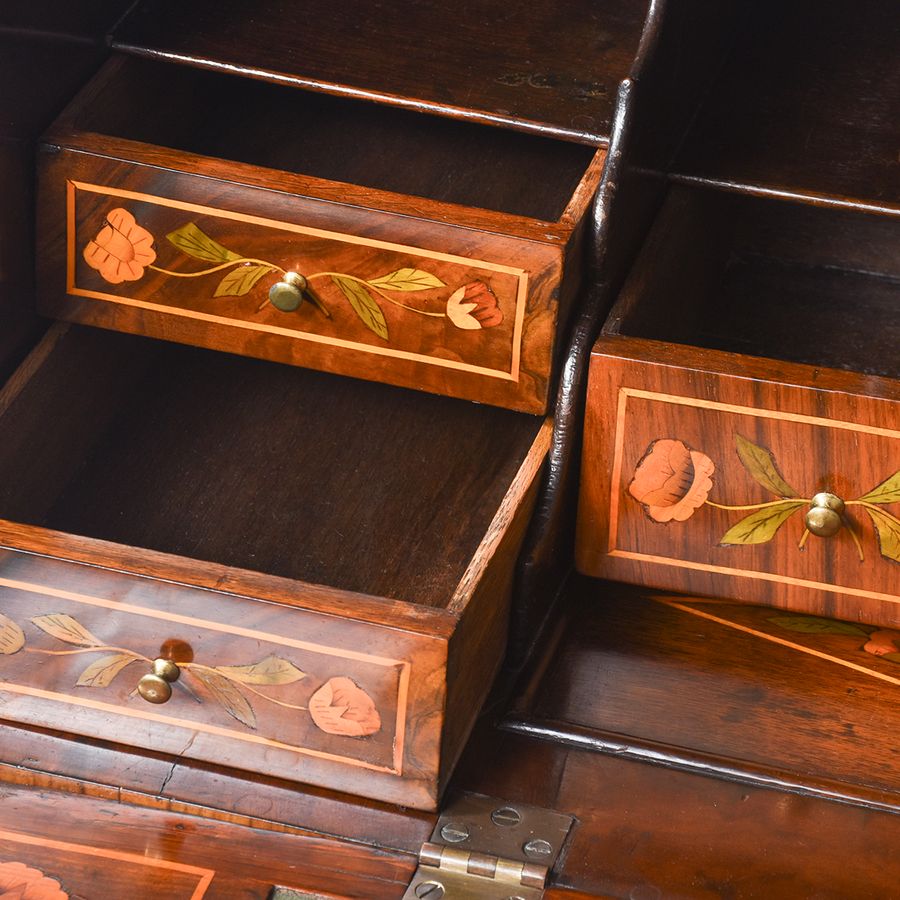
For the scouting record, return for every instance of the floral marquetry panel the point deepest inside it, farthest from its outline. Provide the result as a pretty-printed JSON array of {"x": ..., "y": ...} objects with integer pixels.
[
  {"x": 360, "y": 292},
  {"x": 729, "y": 485},
  {"x": 41, "y": 868},
  {"x": 256, "y": 685}
]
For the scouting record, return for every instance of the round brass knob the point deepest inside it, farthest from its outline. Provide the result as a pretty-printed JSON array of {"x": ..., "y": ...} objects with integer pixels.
[
  {"x": 287, "y": 295},
  {"x": 156, "y": 687},
  {"x": 824, "y": 518}
]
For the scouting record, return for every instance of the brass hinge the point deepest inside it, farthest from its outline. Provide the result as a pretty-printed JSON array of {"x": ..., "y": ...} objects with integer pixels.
[{"x": 488, "y": 849}]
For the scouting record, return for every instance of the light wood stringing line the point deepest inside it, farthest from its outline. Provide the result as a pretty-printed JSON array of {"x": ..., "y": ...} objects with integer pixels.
[
  {"x": 205, "y": 875},
  {"x": 777, "y": 640},
  {"x": 520, "y": 274}
]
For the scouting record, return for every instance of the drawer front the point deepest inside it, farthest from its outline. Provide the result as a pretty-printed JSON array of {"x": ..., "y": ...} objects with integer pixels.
[
  {"x": 704, "y": 482},
  {"x": 389, "y": 298},
  {"x": 260, "y": 686}
]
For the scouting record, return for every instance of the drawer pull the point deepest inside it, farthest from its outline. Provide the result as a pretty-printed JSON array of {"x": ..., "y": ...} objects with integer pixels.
[
  {"x": 287, "y": 295},
  {"x": 156, "y": 687},
  {"x": 825, "y": 515}
]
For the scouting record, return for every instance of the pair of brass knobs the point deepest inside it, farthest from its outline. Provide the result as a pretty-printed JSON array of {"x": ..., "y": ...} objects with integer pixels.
[
  {"x": 825, "y": 515},
  {"x": 156, "y": 686}
]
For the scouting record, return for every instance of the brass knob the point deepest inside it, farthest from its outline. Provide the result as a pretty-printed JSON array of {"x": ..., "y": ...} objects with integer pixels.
[
  {"x": 287, "y": 295},
  {"x": 156, "y": 687},
  {"x": 825, "y": 515}
]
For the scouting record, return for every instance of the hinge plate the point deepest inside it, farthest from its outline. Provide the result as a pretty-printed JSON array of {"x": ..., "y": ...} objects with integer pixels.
[{"x": 488, "y": 849}]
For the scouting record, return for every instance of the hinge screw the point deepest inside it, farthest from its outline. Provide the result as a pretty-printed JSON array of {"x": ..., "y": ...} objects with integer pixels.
[
  {"x": 538, "y": 848},
  {"x": 430, "y": 890},
  {"x": 506, "y": 817},
  {"x": 455, "y": 833}
]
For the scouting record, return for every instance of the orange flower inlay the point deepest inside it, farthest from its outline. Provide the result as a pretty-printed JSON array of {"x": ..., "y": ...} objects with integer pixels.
[
  {"x": 474, "y": 306},
  {"x": 340, "y": 707},
  {"x": 672, "y": 481},
  {"x": 19, "y": 882},
  {"x": 122, "y": 249},
  {"x": 881, "y": 643}
]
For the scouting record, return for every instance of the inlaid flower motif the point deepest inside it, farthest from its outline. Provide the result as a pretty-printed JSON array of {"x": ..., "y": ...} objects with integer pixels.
[
  {"x": 340, "y": 707},
  {"x": 121, "y": 250},
  {"x": 672, "y": 481},
  {"x": 474, "y": 306},
  {"x": 881, "y": 643},
  {"x": 19, "y": 882}
]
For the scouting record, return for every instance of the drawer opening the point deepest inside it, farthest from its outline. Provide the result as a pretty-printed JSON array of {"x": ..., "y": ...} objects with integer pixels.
[
  {"x": 280, "y": 470},
  {"x": 768, "y": 278},
  {"x": 338, "y": 139}
]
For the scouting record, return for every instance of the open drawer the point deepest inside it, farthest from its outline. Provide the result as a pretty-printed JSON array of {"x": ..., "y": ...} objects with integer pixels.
[
  {"x": 335, "y": 234},
  {"x": 324, "y": 564},
  {"x": 743, "y": 425}
]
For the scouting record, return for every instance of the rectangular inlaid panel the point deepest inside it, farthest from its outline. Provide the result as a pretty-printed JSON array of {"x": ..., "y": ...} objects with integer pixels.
[
  {"x": 262, "y": 686},
  {"x": 48, "y": 869},
  {"x": 705, "y": 482},
  {"x": 379, "y": 296}
]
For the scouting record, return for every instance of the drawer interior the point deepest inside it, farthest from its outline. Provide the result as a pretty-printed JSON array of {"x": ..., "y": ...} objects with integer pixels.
[
  {"x": 271, "y": 468},
  {"x": 769, "y": 278},
  {"x": 350, "y": 141}
]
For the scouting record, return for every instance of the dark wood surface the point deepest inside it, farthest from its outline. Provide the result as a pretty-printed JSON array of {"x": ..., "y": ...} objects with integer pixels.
[
  {"x": 807, "y": 104},
  {"x": 551, "y": 66},
  {"x": 29, "y": 101},
  {"x": 716, "y": 687},
  {"x": 89, "y": 20},
  {"x": 161, "y": 443},
  {"x": 278, "y": 127},
  {"x": 645, "y": 831},
  {"x": 767, "y": 278},
  {"x": 680, "y": 53}
]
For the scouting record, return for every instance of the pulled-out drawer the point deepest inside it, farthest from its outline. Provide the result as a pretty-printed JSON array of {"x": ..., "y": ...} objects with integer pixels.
[
  {"x": 309, "y": 229},
  {"x": 743, "y": 425},
  {"x": 255, "y": 565}
]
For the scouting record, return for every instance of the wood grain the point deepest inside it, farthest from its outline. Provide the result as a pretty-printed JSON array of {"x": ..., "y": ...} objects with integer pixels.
[
  {"x": 179, "y": 420},
  {"x": 552, "y": 67},
  {"x": 45, "y": 687},
  {"x": 191, "y": 859},
  {"x": 805, "y": 107},
  {"x": 416, "y": 598},
  {"x": 720, "y": 688},
  {"x": 811, "y": 433},
  {"x": 357, "y": 214},
  {"x": 647, "y": 831}
]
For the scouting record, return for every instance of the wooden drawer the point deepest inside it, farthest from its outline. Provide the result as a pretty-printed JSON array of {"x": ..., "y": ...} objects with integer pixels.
[
  {"x": 381, "y": 526},
  {"x": 437, "y": 254},
  {"x": 750, "y": 364}
]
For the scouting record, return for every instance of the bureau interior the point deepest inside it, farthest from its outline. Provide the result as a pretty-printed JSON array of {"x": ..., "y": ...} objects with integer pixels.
[
  {"x": 350, "y": 141},
  {"x": 272, "y": 468},
  {"x": 766, "y": 277},
  {"x": 808, "y": 100}
]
